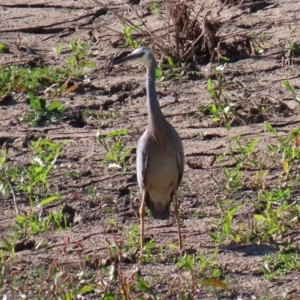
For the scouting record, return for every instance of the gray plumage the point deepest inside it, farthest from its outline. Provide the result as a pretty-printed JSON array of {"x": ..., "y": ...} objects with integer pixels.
[{"x": 160, "y": 156}]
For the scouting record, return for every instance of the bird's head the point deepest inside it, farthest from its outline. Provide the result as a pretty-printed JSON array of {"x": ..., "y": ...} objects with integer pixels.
[{"x": 142, "y": 54}]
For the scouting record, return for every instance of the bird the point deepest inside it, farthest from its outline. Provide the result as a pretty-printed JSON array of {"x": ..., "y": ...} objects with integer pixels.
[{"x": 159, "y": 155}]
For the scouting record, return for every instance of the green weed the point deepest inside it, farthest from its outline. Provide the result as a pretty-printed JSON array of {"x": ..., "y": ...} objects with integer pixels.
[
  {"x": 167, "y": 70},
  {"x": 277, "y": 216},
  {"x": 245, "y": 155},
  {"x": 41, "y": 112},
  {"x": 116, "y": 153},
  {"x": 222, "y": 110},
  {"x": 32, "y": 183},
  {"x": 200, "y": 270},
  {"x": 224, "y": 232},
  {"x": 78, "y": 60},
  {"x": 233, "y": 176},
  {"x": 4, "y": 48},
  {"x": 279, "y": 264},
  {"x": 20, "y": 79},
  {"x": 130, "y": 40},
  {"x": 156, "y": 7},
  {"x": 291, "y": 89}
]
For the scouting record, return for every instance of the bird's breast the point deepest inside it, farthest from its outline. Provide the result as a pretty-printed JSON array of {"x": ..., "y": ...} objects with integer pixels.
[{"x": 161, "y": 176}]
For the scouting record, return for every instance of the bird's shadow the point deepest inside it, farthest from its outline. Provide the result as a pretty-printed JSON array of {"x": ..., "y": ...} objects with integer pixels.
[{"x": 251, "y": 250}]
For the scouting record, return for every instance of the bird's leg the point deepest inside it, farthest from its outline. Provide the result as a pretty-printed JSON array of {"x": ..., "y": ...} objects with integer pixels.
[
  {"x": 142, "y": 218},
  {"x": 176, "y": 211}
]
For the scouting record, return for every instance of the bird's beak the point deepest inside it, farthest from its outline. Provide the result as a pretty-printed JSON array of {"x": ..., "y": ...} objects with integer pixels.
[{"x": 128, "y": 58}]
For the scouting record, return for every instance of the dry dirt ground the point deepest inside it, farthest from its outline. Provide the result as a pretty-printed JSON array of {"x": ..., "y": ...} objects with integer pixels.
[{"x": 115, "y": 98}]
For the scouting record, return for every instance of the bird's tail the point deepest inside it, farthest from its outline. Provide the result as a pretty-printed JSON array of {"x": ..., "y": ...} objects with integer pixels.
[{"x": 158, "y": 212}]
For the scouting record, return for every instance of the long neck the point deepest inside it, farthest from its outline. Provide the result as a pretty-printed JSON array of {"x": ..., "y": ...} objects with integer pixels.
[{"x": 155, "y": 116}]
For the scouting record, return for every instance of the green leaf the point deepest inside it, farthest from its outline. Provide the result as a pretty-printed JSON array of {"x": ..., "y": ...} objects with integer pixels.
[
  {"x": 228, "y": 125},
  {"x": 270, "y": 128},
  {"x": 234, "y": 210},
  {"x": 224, "y": 58},
  {"x": 214, "y": 109},
  {"x": 7, "y": 244},
  {"x": 32, "y": 99},
  {"x": 34, "y": 123},
  {"x": 109, "y": 296},
  {"x": 3, "y": 48},
  {"x": 72, "y": 61},
  {"x": 296, "y": 47},
  {"x": 58, "y": 48},
  {"x": 171, "y": 62},
  {"x": 55, "y": 105},
  {"x": 250, "y": 148},
  {"x": 74, "y": 45},
  {"x": 126, "y": 152},
  {"x": 3, "y": 156},
  {"x": 211, "y": 89},
  {"x": 127, "y": 31},
  {"x": 216, "y": 119},
  {"x": 259, "y": 217},
  {"x": 215, "y": 283},
  {"x": 87, "y": 64},
  {"x": 133, "y": 28},
  {"x": 288, "y": 86},
  {"x": 42, "y": 103},
  {"x": 158, "y": 72},
  {"x": 36, "y": 103},
  {"x": 143, "y": 285},
  {"x": 49, "y": 200},
  {"x": 117, "y": 133},
  {"x": 87, "y": 289},
  {"x": 239, "y": 83}
]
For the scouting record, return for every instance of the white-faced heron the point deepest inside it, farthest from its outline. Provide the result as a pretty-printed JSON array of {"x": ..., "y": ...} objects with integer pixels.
[{"x": 160, "y": 157}]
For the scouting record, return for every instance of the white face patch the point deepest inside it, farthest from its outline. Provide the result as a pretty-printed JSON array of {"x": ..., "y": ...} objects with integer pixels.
[{"x": 145, "y": 59}]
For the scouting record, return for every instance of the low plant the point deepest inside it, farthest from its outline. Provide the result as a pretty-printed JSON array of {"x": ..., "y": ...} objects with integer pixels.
[
  {"x": 116, "y": 153},
  {"x": 279, "y": 264},
  {"x": 275, "y": 214},
  {"x": 79, "y": 59},
  {"x": 21, "y": 79},
  {"x": 36, "y": 223},
  {"x": 225, "y": 232},
  {"x": 130, "y": 40},
  {"x": 3, "y": 47},
  {"x": 41, "y": 112},
  {"x": 291, "y": 89},
  {"x": 167, "y": 70},
  {"x": 155, "y": 6},
  {"x": 199, "y": 270},
  {"x": 233, "y": 176},
  {"x": 286, "y": 151},
  {"x": 31, "y": 182},
  {"x": 245, "y": 155},
  {"x": 222, "y": 110}
]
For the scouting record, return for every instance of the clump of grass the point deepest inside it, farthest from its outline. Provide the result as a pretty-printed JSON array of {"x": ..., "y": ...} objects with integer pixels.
[
  {"x": 184, "y": 38},
  {"x": 191, "y": 39}
]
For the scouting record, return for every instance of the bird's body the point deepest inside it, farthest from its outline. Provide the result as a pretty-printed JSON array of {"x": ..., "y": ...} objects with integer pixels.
[
  {"x": 161, "y": 179},
  {"x": 160, "y": 156}
]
